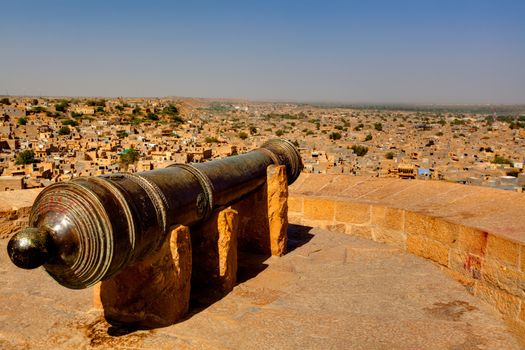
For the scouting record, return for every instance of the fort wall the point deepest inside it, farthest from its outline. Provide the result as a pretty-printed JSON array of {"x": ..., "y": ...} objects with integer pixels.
[{"x": 475, "y": 234}]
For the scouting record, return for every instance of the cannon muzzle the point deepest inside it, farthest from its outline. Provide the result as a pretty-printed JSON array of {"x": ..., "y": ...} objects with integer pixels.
[{"x": 90, "y": 228}]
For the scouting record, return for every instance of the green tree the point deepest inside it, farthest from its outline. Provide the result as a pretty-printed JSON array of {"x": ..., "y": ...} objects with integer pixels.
[
  {"x": 64, "y": 131},
  {"x": 25, "y": 157},
  {"x": 334, "y": 136},
  {"x": 378, "y": 126},
  {"x": 152, "y": 116},
  {"x": 121, "y": 134},
  {"x": 129, "y": 156},
  {"x": 211, "y": 139},
  {"x": 368, "y": 137},
  {"x": 70, "y": 122},
  {"x": 389, "y": 155},
  {"x": 502, "y": 160},
  {"x": 22, "y": 121},
  {"x": 5, "y": 101},
  {"x": 62, "y": 106},
  {"x": 243, "y": 135},
  {"x": 359, "y": 150}
]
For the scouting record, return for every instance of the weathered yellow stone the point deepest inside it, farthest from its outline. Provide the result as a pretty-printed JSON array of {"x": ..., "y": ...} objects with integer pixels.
[
  {"x": 460, "y": 277},
  {"x": 215, "y": 252},
  {"x": 319, "y": 209},
  {"x": 503, "y": 250},
  {"x": 361, "y": 231},
  {"x": 504, "y": 277},
  {"x": 295, "y": 204},
  {"x": 470, "y": 240},
  {"x": 427, "y": 248},
  {"x": 465, "y": 263},
  {"x": 253, "y": 225},
  {"x": 434, "y": 228},
  {"x": 389, "y": 218},
  {"x": 522, "y": 255},
  {"x": 507, "y": 304},
  {"x": 522, "y": 311},
  {"x": 393, "y": 237},
  {"x": 263, "y": 215},
  {"x": 227, "y": 248},
  {"x": 352, "y": 213},
  {"x": 277, "y": 208},
  {"x": 153, "y": 292}
]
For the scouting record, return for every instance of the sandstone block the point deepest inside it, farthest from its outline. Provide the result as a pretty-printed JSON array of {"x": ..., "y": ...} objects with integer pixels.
[
  {"x": 522, "y": 255},
  {"x": 461, "y": 278},
  {"x": 352, "y": 213},
  {"x": 277, "y": 208},
  {"x": 472, "y": 241},
  {"x": 503, "y": 250},
  {"x": 465, "y": 263},
  {"x": 319, "y": 209},
  {"x": 227, "y": 247},
  {"x": 427, "y": 248},
  {"x": 389, "y": 218},
  {"x": 153, "y": 292},
  {"x": 263, "y": 215},
  {"x": 340, "y": 228},
  {"x": 215, "y": 252},
  {"x": 504, "y": 277},
  {"x": 394, "y": 237},
  {"x": 434, "y": 228},
  {"x": 295, "y": 204},
  {"x": 508, "y": 305},
  {"x": 361, "y": 231}
]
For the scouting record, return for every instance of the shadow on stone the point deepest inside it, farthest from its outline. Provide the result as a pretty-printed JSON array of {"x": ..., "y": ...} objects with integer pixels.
[
  {"x": 203, "y": 296},
  {"x": 298, "y": 236},
  {"x": 119, "y": 331}
]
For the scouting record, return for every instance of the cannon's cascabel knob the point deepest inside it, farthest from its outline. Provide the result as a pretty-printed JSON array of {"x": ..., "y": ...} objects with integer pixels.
[{"x": 30, "y": 248}]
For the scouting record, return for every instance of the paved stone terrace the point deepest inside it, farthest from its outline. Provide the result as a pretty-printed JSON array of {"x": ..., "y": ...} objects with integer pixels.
[{"x": 333, "y": 291}]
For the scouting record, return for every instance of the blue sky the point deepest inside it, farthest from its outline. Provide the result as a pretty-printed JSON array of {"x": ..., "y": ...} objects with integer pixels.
[{"x": 422, "y": 51}]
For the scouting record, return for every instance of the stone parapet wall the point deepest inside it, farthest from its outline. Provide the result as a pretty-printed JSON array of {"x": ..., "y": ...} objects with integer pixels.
[
  {"x": 14, "y": 210},
  {"x": 477, "y": 235}
]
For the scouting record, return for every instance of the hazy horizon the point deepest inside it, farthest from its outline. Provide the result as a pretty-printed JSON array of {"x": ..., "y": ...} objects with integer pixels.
[{"x": 345, "y": 52}]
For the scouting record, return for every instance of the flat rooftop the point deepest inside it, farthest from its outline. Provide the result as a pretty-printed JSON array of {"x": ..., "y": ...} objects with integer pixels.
[{"x": 330, "y": 291}]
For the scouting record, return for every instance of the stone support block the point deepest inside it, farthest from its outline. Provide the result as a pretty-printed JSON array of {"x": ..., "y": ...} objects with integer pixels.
[
  {"x": 277, "y": 208},
  {"x": 153, "y": 292},
  {"x": 263, "y": 215},
  {"x": 215, "y": 252}
]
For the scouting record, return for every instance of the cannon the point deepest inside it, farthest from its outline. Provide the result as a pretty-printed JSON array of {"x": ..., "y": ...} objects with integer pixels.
[{"x": 90, "y": 228}]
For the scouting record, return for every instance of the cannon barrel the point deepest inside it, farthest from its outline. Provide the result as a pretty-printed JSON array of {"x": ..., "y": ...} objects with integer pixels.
[{"x": 90, "y": 228}]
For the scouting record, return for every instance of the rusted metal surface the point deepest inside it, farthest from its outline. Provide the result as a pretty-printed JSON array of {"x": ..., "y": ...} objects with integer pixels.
[{"x": 90, "y": 228}]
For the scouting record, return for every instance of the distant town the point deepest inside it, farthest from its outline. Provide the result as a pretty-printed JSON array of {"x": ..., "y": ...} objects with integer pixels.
[{"x": 47, "y": 140}]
